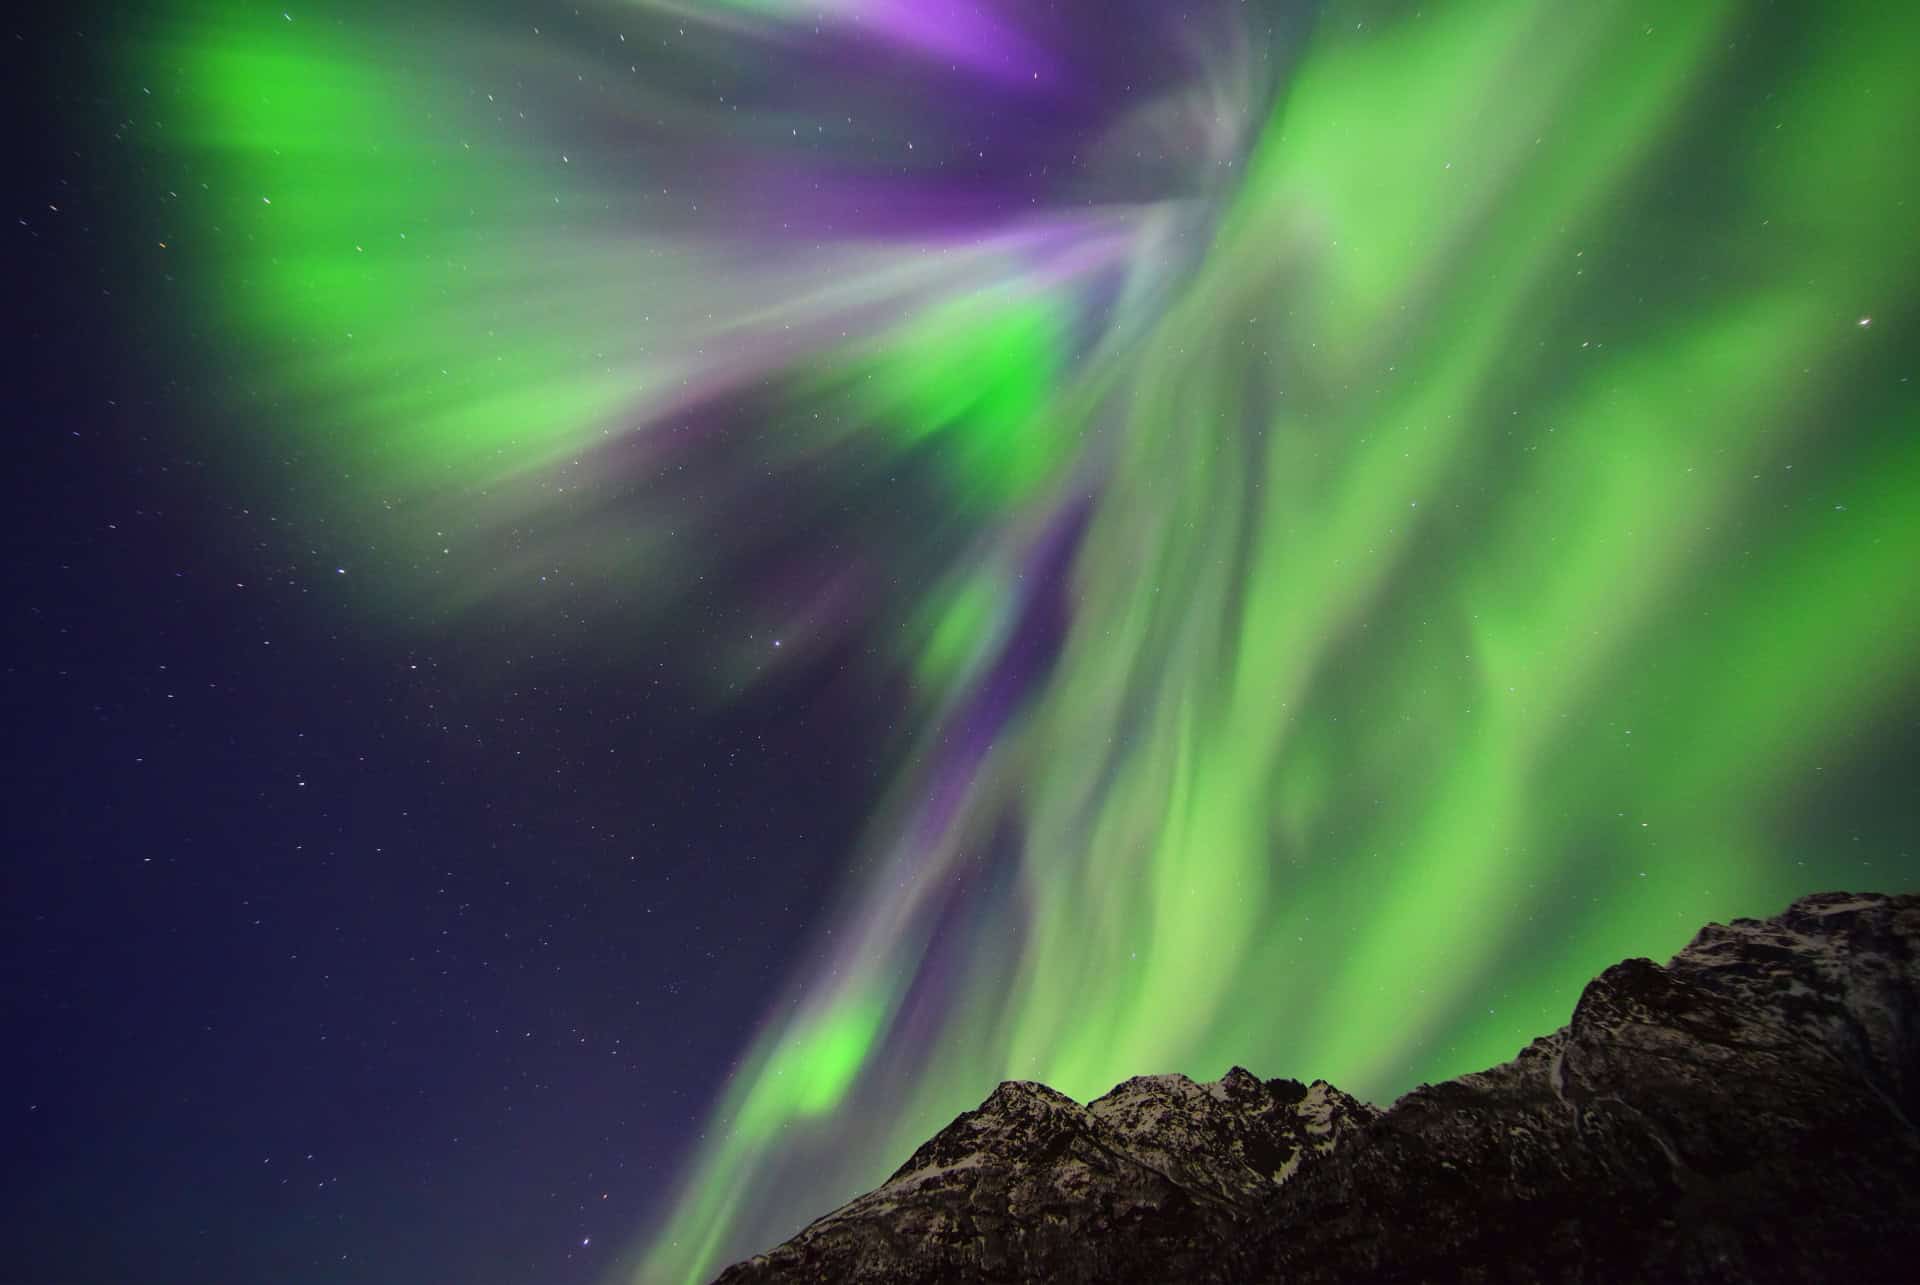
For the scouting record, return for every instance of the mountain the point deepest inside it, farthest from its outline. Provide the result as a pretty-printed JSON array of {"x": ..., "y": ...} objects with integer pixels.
[{"x": 1746, "y": 1113}]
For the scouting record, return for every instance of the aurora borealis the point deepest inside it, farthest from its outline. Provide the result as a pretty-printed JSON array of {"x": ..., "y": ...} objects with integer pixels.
[{"x": 1366, "y": 513}]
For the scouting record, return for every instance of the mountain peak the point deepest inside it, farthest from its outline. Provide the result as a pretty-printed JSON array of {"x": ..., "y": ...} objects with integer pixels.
[{"x": 1026, "y": 1095}]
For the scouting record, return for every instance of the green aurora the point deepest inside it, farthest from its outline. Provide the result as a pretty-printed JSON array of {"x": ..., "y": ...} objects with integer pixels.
[{"x": 1499, "y": 538}]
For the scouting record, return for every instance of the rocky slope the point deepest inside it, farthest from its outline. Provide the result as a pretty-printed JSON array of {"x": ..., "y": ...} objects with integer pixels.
[{"x": 1747, "y": 1112}]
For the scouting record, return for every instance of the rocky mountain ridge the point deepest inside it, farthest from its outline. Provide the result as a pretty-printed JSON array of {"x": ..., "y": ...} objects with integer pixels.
[{"x": 1746, "y": 1112}]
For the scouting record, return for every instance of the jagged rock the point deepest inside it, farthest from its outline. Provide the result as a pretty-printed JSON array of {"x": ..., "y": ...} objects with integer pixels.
[
  {"x": 1158, "y": 1175},
  {"x": 1235, "y": 1138},
  {"x": 1745, "y": 1113}
]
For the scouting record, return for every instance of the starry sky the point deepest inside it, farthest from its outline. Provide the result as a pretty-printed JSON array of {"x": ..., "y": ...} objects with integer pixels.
[{"x": 617, "y": 609}]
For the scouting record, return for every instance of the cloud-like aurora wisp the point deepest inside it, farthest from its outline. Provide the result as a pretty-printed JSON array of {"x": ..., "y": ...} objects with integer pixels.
[{"x": 1401, "y": 506}]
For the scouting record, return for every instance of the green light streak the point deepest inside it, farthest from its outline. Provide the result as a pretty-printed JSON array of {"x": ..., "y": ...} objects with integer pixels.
[
  {"x": 345, "y": 193},
  {"x": 1569, "y": 562},
  {"x": 809, "y": 1072},
  {"x": 970, "y": 378},
  {"x": 1501, "y": 548},
  {"x": 954, "y": 631}
]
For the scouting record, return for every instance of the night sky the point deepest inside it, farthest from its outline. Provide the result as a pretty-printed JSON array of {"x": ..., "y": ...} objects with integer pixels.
[{"x": 616, "y": 610}]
